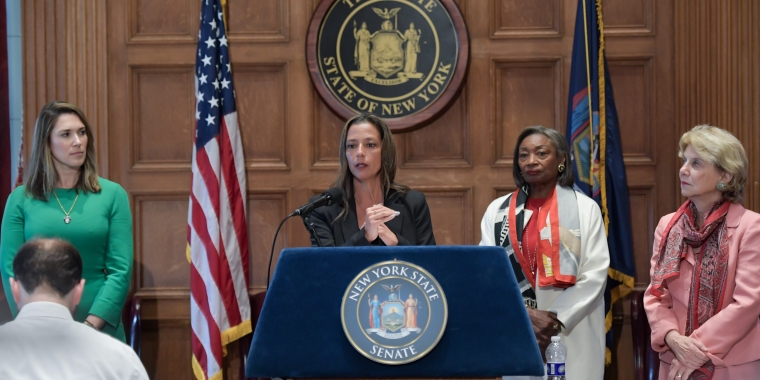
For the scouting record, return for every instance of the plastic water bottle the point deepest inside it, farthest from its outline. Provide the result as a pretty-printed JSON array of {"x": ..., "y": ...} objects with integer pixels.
[{"x": 555, "y": 360}]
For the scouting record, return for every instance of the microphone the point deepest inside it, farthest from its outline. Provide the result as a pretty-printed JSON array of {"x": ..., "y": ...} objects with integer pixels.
[{"x": 327, "y": 198}]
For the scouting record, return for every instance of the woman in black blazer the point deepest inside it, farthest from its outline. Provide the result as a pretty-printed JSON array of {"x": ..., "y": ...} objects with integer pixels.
[{"x": 374, "y": 210}]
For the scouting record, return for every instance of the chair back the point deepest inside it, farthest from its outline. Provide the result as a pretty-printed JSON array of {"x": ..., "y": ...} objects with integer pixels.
[
  {"x": 646, "y": 362},
  {"x": 132, "y": 320},
  {"x": 135, "y": 325}
]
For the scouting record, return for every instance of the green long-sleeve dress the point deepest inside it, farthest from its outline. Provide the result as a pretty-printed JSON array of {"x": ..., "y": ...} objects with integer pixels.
[{"x": 100, "y": 228}]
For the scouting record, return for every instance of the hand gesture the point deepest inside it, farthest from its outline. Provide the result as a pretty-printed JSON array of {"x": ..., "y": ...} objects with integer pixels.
[
  {"x": 689, "y": 352},
  {"x": 376, "y": 215},
  {"x": 387, "y": 236}
]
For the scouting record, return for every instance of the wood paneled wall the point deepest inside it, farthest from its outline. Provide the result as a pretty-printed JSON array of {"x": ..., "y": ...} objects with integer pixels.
[
  {"x": 717, "y": 75},
  {"x": 129, "y": 65}
]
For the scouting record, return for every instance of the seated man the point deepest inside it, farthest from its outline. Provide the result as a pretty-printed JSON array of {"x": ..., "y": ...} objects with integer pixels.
[{"x": 44, "y": 342}]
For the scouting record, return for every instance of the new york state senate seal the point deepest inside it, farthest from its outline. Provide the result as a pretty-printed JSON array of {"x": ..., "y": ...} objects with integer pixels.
[
  {"x": 402, "y": 60},
  {"x": 394, "y": 312}
]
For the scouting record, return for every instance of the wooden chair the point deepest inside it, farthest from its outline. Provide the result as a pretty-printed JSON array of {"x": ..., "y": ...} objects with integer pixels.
[
  {"x": 135, "y": 325},
  {"x": 646, "y": 362},
  {"x": 132, "y": 320},
  {"x": 257, "y": 302}
]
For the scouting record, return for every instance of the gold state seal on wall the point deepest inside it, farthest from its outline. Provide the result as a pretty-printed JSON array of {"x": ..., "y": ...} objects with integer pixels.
[
  {"x": 394, "y": 312},
  {"x": 403, "y": 60}
]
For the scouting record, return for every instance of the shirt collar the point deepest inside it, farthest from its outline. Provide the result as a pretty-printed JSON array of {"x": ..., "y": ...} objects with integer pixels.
[{"x": 44, "y": 309}]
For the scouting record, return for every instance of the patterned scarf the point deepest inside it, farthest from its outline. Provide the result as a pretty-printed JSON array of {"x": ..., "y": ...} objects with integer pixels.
[
  {"x": 710, "y": 267},
  {"x": 560, "y": 240}
]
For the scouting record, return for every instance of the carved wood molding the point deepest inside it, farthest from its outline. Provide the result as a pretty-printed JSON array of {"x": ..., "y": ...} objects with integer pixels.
[
  {"x": 186, "y": 36},
  {"x": 551, "y": 66},
  {"x": 279, "y": 34},
  {"x": 629, "y": 19},
  {"x": 499, "y": 31},
  {"x": 464, "y": 196}
]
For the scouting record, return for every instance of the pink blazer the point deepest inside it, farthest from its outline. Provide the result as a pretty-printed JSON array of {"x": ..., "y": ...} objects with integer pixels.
[{"x": 732, "y": 336}]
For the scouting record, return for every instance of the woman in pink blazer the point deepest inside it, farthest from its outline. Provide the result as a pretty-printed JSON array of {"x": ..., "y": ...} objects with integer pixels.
[{"x": 703, "y": 301}]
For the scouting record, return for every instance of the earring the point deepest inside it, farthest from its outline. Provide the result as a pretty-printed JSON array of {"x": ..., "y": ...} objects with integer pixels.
[
  {"x": 721, "y": 186},
  {"x": 561, "y": 168}
]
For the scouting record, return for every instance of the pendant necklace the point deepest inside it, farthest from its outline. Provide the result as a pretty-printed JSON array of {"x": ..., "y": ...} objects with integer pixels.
[
  {"x": 533, "y": 261},
  {"x": 67, "y": 218},
  {"x": 532, "y": 265}
]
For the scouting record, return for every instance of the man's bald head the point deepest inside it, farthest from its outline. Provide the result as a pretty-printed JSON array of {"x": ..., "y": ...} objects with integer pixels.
[{"x": 54, "y": 263}]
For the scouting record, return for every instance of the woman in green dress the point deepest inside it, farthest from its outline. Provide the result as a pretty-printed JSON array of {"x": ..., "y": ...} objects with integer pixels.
[{"x": 63, "y": 197}]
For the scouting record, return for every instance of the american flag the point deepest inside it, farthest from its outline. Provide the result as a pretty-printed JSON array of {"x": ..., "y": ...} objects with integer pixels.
[{"x": 216, "y": 224}]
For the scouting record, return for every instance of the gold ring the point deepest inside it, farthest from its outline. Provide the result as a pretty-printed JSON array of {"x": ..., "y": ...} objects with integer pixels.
[{"x": 556, "y": 326}]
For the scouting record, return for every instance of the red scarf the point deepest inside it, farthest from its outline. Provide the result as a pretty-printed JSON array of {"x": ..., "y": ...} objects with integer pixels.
[
  {"x": 710, "y": 265},
  {"x": 548, "y": 268}
]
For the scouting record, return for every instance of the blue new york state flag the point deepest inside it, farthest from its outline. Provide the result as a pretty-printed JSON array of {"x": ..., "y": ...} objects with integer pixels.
[{"x": 597, "y": 154}]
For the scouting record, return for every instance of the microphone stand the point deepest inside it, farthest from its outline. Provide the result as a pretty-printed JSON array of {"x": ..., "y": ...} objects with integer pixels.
[
  {"x": 324, "y": 200},
  {"x": 309, "y": 226},
  {"x": 271, "y": 254}
]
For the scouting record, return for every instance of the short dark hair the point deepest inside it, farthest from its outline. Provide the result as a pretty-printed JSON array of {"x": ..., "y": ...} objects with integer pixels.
[
  {"x": 566, "y": 178},
  {"x": 53, "y": 262}
]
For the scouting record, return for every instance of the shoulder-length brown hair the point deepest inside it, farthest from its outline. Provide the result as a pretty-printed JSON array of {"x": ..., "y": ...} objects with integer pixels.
[
  {"x": 41, "y": 175},
  {"x": 345, "y": 179},
  {"x": 566, "y": 177}
]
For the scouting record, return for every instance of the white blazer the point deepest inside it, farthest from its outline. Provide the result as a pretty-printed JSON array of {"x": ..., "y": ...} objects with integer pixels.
[{"x": 579, "y": 307}]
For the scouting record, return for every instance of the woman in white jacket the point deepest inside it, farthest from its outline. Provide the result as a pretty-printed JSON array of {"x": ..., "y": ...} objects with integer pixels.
[{"x": 555, "y": 240}]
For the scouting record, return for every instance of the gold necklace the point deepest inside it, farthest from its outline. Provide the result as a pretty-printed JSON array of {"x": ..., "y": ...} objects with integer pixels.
[
  {"x": 532, "y": 261},
  {"x": 67, "y": 218}
]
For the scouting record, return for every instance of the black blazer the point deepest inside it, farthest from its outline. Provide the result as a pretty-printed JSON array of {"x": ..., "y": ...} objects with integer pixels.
[{"x": 412, "y": 226}]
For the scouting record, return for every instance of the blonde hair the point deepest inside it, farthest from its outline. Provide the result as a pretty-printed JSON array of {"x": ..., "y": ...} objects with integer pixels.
[
  {"x": 723, "y": 150},
  {"x": 41, "y": 175}
]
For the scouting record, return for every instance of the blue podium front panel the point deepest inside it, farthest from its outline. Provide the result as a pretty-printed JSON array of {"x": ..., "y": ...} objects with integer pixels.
[{"x": 300, "y": 334}]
